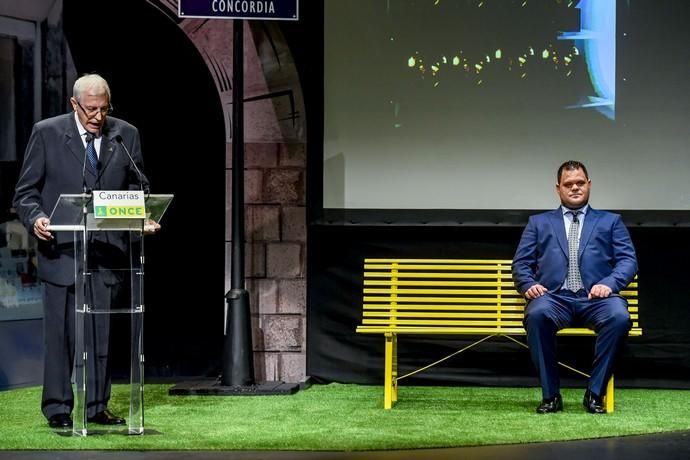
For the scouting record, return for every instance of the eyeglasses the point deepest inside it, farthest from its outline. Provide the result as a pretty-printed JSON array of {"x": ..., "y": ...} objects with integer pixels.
[{"x": 92, "y": 112}]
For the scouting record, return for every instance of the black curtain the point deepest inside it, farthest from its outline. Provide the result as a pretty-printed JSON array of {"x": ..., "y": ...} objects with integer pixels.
[
  {"x": 660, "y": 358},
  {"x": 161, "y": 85}
]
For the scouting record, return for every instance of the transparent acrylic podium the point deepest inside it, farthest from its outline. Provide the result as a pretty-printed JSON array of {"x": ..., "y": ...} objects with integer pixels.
[{"x": 112, "y": 251}]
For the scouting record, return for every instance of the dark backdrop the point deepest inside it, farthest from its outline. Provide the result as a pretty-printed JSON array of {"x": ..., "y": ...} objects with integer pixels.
[
  {"x": 661, "y": 357},
  {"x": 160, "y": 84}
]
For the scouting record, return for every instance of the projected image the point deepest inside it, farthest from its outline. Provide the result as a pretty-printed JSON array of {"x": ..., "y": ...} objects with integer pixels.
[
  {"x": 440, "y": 104},
  {"x": 597, "y": 38},
  {"x": 594, "y": 40}
]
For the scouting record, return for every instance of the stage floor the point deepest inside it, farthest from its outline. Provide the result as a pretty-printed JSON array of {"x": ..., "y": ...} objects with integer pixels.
[{"x": 645, "y": 447}]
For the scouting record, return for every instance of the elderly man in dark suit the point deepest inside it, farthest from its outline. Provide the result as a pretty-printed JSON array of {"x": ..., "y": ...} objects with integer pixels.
[
  {"x": 571, "y": 264},
  {"x": 71, "y": 153}
]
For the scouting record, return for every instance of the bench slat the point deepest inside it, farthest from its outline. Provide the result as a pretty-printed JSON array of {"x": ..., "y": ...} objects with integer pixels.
[
  {"x": 430, "y": 299},
  {"x": 435, "y": 314},
  {"x": 478, "y": 284},
  {"x": 440, "y": 261},
  {"x": 402, "y": 326},
  {"x": 634, "y": 332},
  {"x": 436, "y": 267},
  {"x": 468, "y": 307},
  {"x": 443, "y": 322},
  {"x": 387, "y": 275},
  {"x": 388, "y": 300},
  {"x": 472, "y": 282}
]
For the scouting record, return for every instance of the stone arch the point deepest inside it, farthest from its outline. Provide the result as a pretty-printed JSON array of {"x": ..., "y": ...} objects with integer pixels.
[{"x": 275, "y": 195}]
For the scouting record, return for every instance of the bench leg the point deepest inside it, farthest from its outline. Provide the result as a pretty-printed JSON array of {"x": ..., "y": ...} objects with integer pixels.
[
  {"x": 394, "y": 393},
  {"x": 390, "y": 385},
  {"x": 609, "y": 398}
]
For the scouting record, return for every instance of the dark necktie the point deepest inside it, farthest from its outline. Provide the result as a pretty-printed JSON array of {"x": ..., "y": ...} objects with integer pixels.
[
  {"x": 573, "y": 282},
  {"x": 91, "y": 154}
]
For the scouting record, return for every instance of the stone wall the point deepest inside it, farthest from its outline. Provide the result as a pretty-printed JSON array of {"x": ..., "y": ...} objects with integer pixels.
[
  {"x": 275, "y": 168},
  {"x": 275, "y": 257}
]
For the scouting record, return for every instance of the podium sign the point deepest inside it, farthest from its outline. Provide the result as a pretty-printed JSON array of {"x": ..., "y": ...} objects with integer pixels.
[
  {"x": 119, "y": 204},
  {"x": 267, "y": 10}
]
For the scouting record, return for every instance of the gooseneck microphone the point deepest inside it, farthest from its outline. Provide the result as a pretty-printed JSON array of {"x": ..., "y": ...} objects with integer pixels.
[{"x": 143, "y": 184}]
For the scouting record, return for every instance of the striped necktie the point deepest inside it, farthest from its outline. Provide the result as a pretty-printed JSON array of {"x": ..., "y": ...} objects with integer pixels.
[
  {"x": 573, "y": 282},
  {"x": 91, "y": 156}
]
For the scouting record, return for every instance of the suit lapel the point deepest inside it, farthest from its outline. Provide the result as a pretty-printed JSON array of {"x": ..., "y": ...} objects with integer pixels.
[
  {"x": 108, "y": 144},
  {"x": 556, "y": 219},
  {"x": 591, "y": 219},
  {"x": 75, "y": 145},
  {"x": 73, "y": 140},
  {"x": 107, "y": 148}
]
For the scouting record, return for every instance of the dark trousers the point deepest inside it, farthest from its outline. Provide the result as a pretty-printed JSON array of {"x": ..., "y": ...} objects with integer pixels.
[
  {"x": 547, "y": 314},
  {"x": 59, "y": 341}
]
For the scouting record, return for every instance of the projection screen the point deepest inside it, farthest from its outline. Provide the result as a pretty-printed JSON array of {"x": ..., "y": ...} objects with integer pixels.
[{"x": 469, "y": 104}]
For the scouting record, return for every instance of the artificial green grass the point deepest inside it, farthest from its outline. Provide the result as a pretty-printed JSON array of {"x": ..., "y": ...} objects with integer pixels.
[{"x": 350, "y": 417}]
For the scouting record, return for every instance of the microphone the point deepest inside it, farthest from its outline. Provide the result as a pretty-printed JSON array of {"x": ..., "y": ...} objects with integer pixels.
[
  {"x": 143, "y": 184},
  {"x": 85, "y": 188}
]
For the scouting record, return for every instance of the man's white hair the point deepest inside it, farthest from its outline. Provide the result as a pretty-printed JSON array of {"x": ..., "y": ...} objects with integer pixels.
[{"x": 92, "y": 84}]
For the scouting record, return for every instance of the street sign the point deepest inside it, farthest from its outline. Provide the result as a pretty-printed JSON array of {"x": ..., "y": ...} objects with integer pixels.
[{"x": 268, "y": 10}]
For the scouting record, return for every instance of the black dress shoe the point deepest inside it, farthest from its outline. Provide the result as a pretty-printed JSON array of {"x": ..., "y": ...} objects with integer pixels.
[
  {"x": 106, "y": 417},
  {"x": 593, "y": 403},
  {"x": 550, "y": 405},
  {"x": 60, "y": 421}
]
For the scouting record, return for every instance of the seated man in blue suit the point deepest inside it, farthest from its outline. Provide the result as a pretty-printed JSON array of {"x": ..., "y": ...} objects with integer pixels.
[{"x": 571, "y": 264}]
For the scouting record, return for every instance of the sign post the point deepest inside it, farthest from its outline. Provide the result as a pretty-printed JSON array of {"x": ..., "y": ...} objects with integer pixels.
[{"x": 238, "y": 365}]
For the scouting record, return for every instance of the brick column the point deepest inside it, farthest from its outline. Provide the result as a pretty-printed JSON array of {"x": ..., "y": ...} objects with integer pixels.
[{"x": 276, "y": 255}]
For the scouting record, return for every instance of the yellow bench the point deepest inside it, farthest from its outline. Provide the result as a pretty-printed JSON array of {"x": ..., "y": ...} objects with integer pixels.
[{"x": 449, "y": 297}]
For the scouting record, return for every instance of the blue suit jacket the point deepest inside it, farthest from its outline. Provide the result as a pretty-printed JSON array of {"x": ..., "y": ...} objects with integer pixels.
[{"x": 606, "y": 254}]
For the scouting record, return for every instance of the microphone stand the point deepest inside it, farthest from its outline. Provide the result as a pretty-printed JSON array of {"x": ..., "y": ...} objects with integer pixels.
[
  {"x": 88, "y": 196},
  {"x": 143, "y": 185}
]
